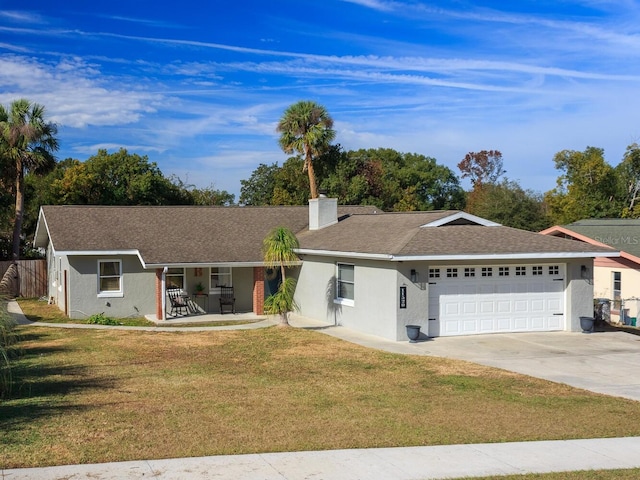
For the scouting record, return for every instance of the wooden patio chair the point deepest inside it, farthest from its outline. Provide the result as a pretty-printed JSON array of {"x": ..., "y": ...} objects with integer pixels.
[
  {"x": 178, "y": 303},
  {"x": 227, "y": 298}
]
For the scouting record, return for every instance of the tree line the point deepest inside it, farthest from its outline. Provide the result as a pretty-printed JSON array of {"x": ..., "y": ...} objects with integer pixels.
[{"x": 587, "y": 186}]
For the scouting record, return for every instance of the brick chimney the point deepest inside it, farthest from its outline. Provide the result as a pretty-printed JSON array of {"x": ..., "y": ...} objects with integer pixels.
[{"x": 323, "y": 212}]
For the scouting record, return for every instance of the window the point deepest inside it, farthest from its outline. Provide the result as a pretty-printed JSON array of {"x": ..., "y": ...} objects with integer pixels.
[
  {"x": 536, "y": 270},
  {"x": 434, "y": 273},
  {"x": 487, "y": 271},
  {"x": 617, "y": 285},
  {"x": 345, "y": 284},
  {"x": 221, "y": 277},
  {"x": 521, "y": 271},
  {"x": 503, "y": 271},
  {"x": 175, "y": 278},
  {"x": 109, "y": 278},
  {"x": 554, "y": 270},
  {"x": 452, "y": 273},
  {"x": 469, "y": 272}
]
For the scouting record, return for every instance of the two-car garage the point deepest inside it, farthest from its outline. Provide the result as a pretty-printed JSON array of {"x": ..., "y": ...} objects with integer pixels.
[{"x": 477, "y": 299}]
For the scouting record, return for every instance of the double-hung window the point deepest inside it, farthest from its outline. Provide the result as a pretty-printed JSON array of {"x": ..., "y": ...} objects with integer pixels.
[
  {"x": 345, "y": 284},
  {"x": 110, "y": 278}
]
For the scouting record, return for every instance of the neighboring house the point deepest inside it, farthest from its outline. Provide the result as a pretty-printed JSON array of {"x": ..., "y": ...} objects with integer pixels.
[
  {"x": 614, "y": 278},
  {"x": 449, "y": 272}
]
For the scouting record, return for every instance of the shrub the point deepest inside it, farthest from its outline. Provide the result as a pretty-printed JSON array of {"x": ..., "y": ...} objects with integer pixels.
[
  {"x": 102, "y": 319},
  {"x": 8, "y": 340}
]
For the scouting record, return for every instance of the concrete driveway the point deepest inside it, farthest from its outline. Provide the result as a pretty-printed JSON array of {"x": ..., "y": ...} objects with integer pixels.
[{"x": 603, "y": 362}]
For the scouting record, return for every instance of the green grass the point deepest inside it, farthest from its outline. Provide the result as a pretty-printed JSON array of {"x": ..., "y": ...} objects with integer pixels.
[
  {"x": 85, "y": 396},
  {"x": 626, "y": 474}
]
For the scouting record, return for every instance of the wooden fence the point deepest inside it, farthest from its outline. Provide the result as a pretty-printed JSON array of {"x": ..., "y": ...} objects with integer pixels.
[{"x": 33, "y": 277}]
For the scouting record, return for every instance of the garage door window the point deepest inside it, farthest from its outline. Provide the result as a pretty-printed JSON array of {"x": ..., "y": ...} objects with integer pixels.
[
  {"x": 536, "y": 270},
  {"x": 452, "y": 273},
  {"x": 487, "y": 271},
  {"x": 434, "y": 273},
  {"x": 503, "y": 271},
  {"x": 469, "y": 272},
  {"x": 554, "y": 270},
  {"x": 521, "y": 271}
]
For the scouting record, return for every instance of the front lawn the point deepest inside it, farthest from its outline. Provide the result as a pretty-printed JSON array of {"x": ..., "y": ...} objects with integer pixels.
[{"x": 84, "y": 396}]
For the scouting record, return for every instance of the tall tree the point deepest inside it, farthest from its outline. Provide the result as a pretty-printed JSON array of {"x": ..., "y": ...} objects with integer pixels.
[
  {"x": 27, "y": 144},
  {"x": 628, "y": 173},
  {"x": 508, "y": 203},
  {"x": 278, "y": 252},
  {"x": 587, "y": 188},
  {"x": 119, "y": 178},
  {"x": 482, "y": 167},
  {"x": 306, "y": 128},
  {"x": 258, "y": 189}
]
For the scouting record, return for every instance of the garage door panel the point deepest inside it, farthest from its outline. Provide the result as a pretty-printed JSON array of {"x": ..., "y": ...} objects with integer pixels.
[
  {"x": 463, "y": 306},
  {"x": 503, "y": 306}
]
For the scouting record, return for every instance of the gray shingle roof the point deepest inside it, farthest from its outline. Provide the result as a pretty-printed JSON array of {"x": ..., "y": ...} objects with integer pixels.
[
  {"x": 401, "y": 234},
  {"x": 175, "y": 234},
  {"x": 619, "y": 233},
  {"x": 183, "y": 235}
]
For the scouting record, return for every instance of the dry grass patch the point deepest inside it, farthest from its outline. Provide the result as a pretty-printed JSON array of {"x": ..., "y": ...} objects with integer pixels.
[
  {"x": 626, "y": 474},
  {"x": 106, "y": 395}
]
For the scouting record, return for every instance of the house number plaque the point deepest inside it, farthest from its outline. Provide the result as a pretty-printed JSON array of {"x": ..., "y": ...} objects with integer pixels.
[{"x": 403, "y": 297}]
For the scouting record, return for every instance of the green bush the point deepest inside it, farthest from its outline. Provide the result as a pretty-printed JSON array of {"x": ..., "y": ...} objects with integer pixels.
[
  {"x": 102, "y": 319},
  {"x": 8, "y": 340}
]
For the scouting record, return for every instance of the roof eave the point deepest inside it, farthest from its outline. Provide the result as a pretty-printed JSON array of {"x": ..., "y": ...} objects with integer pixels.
[{"x": 447, "y": 257}]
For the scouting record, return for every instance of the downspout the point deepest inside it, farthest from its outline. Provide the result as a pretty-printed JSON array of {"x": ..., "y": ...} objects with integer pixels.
[{"x": 163, "y": 289}]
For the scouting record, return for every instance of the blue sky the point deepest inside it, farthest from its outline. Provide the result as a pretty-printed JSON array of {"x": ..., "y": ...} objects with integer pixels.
[{"x": 199, "y": 87}]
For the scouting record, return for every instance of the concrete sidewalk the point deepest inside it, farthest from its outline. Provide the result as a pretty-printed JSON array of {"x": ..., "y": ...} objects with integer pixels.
[{"x": 413, "y": 463}]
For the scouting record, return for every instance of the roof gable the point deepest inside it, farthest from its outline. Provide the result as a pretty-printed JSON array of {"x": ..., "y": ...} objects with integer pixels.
[{"x": 461, "y": 218}]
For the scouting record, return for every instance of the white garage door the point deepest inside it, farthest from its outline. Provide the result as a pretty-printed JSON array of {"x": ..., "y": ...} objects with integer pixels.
[{"x": 467, "y": 300}]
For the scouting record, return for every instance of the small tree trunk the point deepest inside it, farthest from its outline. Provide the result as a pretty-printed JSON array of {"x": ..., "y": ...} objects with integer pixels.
[
  {"x": 312, "y": 177},
  {"x": 17, "y": 224},
  {"x": 284, "y": 320}
]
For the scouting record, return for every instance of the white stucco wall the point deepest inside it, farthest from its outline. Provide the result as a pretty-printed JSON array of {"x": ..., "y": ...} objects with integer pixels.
[
  {"x": 376, "y": 293},
  {"x": 579, "y": 292}
]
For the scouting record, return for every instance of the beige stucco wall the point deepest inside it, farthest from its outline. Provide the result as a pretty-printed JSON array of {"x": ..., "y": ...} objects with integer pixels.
[{"x": 603, "y": 286}]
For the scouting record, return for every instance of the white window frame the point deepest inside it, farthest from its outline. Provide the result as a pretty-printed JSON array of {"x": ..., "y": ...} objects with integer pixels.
[
  {"x": 110, "y": 293},
  {"x": 342, "y": 300},
  {"x": 616, "y": 282}
]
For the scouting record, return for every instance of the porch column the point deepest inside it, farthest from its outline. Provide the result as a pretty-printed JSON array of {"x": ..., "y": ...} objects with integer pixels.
[
  {"x": 159, "y": 312},
  {"x": 258, "y": 290}
]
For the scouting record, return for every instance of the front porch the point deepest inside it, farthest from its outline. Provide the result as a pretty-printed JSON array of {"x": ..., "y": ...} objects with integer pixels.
[{"x": 200, "y": 289}]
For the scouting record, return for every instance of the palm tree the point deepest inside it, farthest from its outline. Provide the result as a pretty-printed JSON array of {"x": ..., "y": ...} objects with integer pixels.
[
  {"x": 27, "y": 143},
  {"x": 306, "y": 128},
  {"x": 278, "y": 251}
]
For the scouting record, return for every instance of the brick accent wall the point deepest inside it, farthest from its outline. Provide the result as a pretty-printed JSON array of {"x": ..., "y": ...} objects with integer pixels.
[
  {"x": 159, "y": 315},
  {"x": 258, "y": 290}
]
